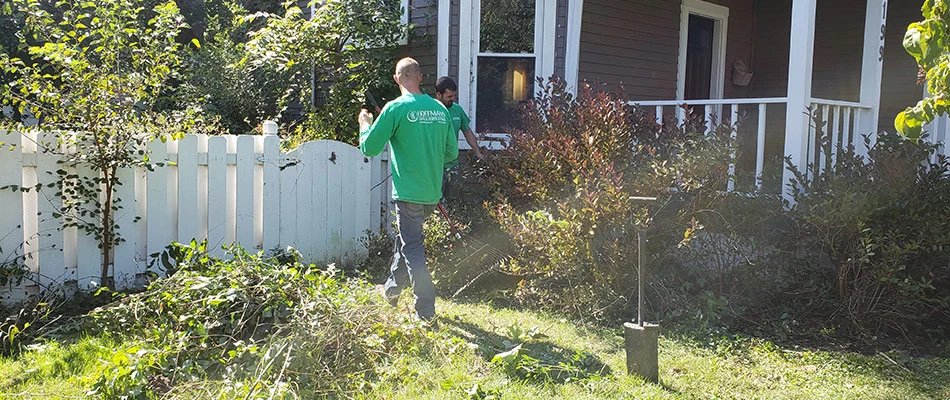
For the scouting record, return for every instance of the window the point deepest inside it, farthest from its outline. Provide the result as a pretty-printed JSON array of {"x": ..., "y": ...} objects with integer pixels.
[{"x": 508, "y": 50}]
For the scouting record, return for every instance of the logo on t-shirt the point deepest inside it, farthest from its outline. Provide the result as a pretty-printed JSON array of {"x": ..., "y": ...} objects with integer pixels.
[{"x": 426, "y": 116}]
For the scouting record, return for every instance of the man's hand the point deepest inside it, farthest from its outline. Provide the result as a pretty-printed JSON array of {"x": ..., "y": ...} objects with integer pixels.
[
  {"x": 365, "y": 118},
  {"x": 479, "y": 154}
]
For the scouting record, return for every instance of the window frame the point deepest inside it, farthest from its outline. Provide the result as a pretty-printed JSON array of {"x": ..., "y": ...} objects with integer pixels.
[{"x": 545, "y": 19}]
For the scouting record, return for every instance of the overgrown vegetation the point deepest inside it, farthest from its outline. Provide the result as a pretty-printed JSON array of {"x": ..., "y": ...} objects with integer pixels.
[
  {"x": 343, "y": 50},
  {"x": 562, "y": 189},
  {"x": 249, "y": 326},
  {"x": 693, "y": 364},
  {"x": 860, "y": 256},
  {"x": 880, "y": 223}
]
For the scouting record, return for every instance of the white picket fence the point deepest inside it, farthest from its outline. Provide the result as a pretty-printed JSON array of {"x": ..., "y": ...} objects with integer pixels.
[{"x": 317, "y": 198}]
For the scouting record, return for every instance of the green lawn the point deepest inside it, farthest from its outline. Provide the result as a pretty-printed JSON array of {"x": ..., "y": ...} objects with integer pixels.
[{"x": 691, "y": 365}]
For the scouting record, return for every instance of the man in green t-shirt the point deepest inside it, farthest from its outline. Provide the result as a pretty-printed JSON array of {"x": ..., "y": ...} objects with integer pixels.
[
  {"x": 446, "y": 91},
  {"x": 421, "y": 141}
]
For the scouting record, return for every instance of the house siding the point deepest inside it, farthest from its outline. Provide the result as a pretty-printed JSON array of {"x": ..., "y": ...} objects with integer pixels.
[
  {"x": 636, "y": 43},
  {"x": 839, "y": 49},
  {"x": 423, "y": 40},
  {"x": 899, "y": 88},
  {"x": 739, "y": 40},
  {"x": 770, "y": 60},
  {"x": 560, "y": 43},
  {"x": 454, "y": 40},
  {"x": 631, "y": 43}
]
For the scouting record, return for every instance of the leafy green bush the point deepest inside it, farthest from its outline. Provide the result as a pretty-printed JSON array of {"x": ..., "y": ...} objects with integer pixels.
[{"x": 250, "y": 326}]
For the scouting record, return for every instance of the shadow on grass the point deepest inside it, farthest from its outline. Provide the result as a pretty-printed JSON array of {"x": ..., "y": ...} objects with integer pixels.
[{"x": 527, "y": 355}]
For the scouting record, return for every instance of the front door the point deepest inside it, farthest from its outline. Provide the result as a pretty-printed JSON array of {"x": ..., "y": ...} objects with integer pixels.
[{"x": 699, "y": 57}]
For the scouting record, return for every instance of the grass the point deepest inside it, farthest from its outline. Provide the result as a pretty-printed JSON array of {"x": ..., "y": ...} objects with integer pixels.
[
  {"x": 692, "y": 365},
  {"x": 53, "y": 369}
]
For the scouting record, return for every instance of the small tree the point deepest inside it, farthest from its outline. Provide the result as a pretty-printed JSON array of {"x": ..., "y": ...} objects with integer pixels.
[
  {"x": 97, "y": 71},
  {"x": 344, "y": 49},
  {"x": 929, "y": 42}
]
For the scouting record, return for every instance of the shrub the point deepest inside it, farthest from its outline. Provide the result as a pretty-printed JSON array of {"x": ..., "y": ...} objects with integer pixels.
[
  {"x": 561, "y": 191},
  {"x": 883, "y": 224}
]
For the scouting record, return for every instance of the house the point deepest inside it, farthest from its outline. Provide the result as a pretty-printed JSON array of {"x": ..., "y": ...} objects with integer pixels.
[{"x": 760, "y": 62}]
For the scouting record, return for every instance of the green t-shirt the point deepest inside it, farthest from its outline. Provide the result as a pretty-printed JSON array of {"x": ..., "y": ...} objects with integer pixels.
[
  {"x": 461, "y": 122},
  {"x": 421, "y": 139}
]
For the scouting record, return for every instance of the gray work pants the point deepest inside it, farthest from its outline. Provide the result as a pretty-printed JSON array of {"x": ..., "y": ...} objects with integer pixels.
[{"x": 409, "y": 259}]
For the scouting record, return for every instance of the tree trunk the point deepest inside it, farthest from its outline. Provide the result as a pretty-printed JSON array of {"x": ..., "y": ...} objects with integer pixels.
[{"x": 106, "y": 241}]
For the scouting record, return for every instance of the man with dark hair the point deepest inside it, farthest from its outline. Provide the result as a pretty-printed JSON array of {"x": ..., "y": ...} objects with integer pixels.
[
  {"x": 421, "y": 140},
  {"x": 446, "y": 91}
]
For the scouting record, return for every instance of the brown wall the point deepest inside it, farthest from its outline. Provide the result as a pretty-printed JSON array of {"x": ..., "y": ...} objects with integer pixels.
[
  {"x": 899, "y": 88},
  {"x": 839, "y": 49},
  {"x": 454, "y": 40},
  {"x": 739, "y": 42},
  {"x": 422, "y": 42},
  {"x": 770, "y": 61},
  {"x": 636, "y": 43},
  {"x": 560, "y": 43}
]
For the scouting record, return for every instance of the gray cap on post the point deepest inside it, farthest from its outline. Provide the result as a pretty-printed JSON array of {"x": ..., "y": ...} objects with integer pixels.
[{"x": 269, "y": 128}]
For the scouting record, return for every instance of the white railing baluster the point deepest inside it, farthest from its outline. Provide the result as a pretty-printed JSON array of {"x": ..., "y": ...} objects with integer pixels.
[
  {"x": 708, "y": 115},
  {"x": 760, "y": 146},
  {"x": 659, "y": 115},
  {"x": 836, "y": 134},
  {"x": 846, "y": 129},
  {"x": 734, "y": 121},
  {"x": 825, "y": 132}
]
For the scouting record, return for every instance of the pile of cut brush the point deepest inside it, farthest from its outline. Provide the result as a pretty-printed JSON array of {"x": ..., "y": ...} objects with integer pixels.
[{"x": 250, "y": 325}]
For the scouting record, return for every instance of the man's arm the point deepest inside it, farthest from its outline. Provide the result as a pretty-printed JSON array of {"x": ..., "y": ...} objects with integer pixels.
[
  {"x": 473, "y": 143},
  {"x": 451, "y": 142},
  {"x": 469, "y": 135},
  {"x": 374, "y": 136}
]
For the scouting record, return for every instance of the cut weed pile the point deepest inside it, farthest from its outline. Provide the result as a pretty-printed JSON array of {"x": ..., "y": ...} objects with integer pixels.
[{"x": 269, "y": 327}]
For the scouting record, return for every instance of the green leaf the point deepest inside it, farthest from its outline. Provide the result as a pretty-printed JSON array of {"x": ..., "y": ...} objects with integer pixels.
[
  {"x": 196, "y": 43},
  {"x": 509, "y": 358},
  {"x": 908, "y": 124}
]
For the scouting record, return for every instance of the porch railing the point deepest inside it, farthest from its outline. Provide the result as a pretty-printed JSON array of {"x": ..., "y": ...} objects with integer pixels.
[
  {"x": 836, "y": 125},
  {"x": 840, "y": 122},
  {"x": 718, "y": 107}
]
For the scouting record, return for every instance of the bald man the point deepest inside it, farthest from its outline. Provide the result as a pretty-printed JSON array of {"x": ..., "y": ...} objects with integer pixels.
[{"x": 421, "y": 139}]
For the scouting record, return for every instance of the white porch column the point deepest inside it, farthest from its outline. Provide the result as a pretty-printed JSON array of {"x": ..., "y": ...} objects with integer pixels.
[
  {"x": 800, "y": 59},
  {"x": 871, "y": 69},
  {"x": 572, "y": 60},
  {"x": 442, "y": 47}
]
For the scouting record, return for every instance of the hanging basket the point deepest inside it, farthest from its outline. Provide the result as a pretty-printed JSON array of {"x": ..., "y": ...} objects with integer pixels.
[{"x": 741, "y": 75}]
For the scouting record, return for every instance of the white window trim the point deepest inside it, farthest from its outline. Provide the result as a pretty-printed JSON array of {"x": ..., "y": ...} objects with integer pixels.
[
  {"x": 404, "y": 18},
  {"x": 442, "y": 48},
  {"x": 720, "y": 15},
  {"x": 469, "y": 25},
  {"x": 573, "y": 57}
]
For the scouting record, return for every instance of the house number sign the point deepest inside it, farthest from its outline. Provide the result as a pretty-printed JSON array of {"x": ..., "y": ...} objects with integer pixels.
[{"x": 880, "y": 57}]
